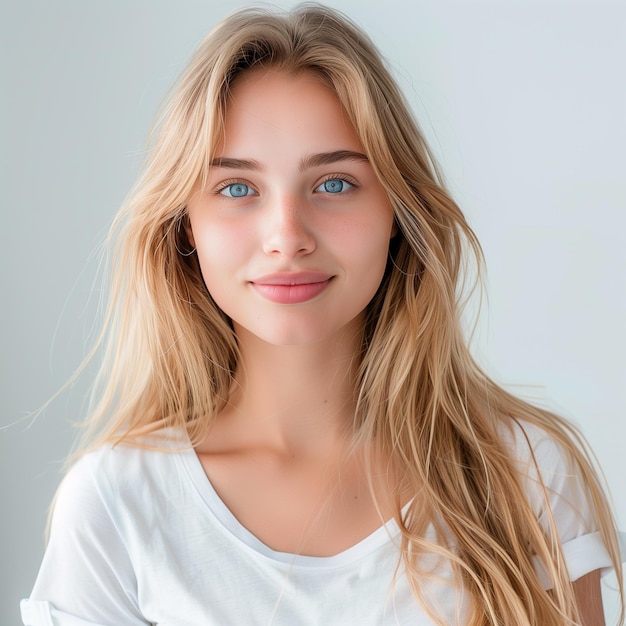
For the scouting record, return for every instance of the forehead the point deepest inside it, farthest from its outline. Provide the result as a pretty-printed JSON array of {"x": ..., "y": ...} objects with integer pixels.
[{"x": 271, "y": 107}]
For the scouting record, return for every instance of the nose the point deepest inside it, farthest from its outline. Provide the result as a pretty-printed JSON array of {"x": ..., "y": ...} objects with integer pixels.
[{"x": 287, "y": 232}]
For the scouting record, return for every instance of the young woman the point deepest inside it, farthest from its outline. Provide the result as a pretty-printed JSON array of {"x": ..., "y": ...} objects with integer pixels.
[{"x": 291, "y": 429}]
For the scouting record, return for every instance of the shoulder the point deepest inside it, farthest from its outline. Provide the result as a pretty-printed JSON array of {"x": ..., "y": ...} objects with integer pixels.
[
  {"x": 117, "y": 478},
  {"x": 533, "y": 446},
  {"x": 552, "y": 475},
  {"x": 551, "y": 453},
  {"x": 102, "y": 516}
]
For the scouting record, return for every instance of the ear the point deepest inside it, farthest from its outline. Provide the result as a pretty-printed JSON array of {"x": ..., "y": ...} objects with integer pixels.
[
  {"x": 188, "y": 231},
  {"x": 190, "y": 236},
  {"x": 394, "y": 229}
]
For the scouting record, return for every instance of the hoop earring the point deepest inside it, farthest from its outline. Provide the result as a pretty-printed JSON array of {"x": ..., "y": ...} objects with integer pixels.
[
  {"x": 178, "y": 234},
  {"x": 400, "y": 270}
]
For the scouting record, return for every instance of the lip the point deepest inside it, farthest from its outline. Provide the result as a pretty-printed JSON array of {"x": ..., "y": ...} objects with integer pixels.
[{"x": 291, "y": 287}]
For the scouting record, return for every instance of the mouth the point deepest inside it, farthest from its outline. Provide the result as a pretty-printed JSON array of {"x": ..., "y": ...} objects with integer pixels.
[{"x": 291, "y": 287}]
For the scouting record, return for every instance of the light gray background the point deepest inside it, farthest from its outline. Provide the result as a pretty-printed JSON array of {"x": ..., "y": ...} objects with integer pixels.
[{"x": 523, "y": 101}]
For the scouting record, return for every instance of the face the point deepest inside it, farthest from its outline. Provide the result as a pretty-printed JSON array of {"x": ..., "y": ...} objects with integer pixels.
[{"x": 293, "y": 228}]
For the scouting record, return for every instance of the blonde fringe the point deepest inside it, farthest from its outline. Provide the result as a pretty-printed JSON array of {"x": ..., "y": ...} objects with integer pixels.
[{"x": 170, "y": 354}]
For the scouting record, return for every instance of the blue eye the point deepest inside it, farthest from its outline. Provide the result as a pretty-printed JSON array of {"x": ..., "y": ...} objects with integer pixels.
[
  {"x": 237, "y": 190},
  {"x": 334, "y": 185}
]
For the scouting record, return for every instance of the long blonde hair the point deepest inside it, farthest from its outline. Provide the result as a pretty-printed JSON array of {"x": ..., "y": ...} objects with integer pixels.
[{"x": 170, "y": 353}]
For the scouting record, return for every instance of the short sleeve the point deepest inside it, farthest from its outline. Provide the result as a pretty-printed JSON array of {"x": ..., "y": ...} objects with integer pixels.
[
  {"x": 86, "y": 576},
  {"x": 558, "y": 494}
]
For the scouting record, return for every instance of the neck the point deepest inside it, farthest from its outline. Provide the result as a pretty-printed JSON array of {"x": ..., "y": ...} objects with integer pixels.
[{"x": 294, "y": 398}]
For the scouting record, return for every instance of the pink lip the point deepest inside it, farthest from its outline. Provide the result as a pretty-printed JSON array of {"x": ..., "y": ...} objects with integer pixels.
[{"x": 291, "y": 287}]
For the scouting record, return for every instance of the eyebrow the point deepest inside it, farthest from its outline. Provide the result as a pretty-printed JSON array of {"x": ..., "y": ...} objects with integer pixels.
[
  {"x": 328, "y": 158},
  {"x": 235, "y": 164},
  {"x": 312, "y": 160}
]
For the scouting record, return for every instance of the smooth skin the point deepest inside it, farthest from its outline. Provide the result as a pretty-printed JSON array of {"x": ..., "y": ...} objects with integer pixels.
[
  {"x": 291, "y": 194},
  {"x": 589, "y": 597}
]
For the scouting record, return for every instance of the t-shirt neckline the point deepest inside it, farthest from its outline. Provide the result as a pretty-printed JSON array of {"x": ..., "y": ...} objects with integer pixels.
[{"x": 382, "y": 537}]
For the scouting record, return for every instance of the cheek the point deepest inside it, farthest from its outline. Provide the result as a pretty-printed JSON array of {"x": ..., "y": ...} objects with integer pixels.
[
  {"x": 377, "y": 247},
  {"x": 221, "y": 249},
  {"x": 367, "y": 242}
]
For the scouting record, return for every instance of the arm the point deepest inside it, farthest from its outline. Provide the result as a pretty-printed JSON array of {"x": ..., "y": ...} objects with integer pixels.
[
  {"x": 589, "y": 599},
  {"x": 86, "y": 575},
  {"x": 565, "y": 502}
]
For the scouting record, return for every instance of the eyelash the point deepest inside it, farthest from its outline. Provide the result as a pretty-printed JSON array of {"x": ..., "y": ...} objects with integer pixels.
[
  {"x": 231, "y": 181},
  {"x": 238, "y": 181},
  {"x": 344, "y": 177}
]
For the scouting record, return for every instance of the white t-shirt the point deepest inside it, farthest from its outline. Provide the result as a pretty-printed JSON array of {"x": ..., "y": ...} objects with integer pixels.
[{"x": 141, "y": 537}]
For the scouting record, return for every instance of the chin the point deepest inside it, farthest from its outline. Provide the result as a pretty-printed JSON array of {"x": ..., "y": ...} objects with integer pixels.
[
  {"x": 292, "y": 337},
  {"x": 308, "y": 334}
]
